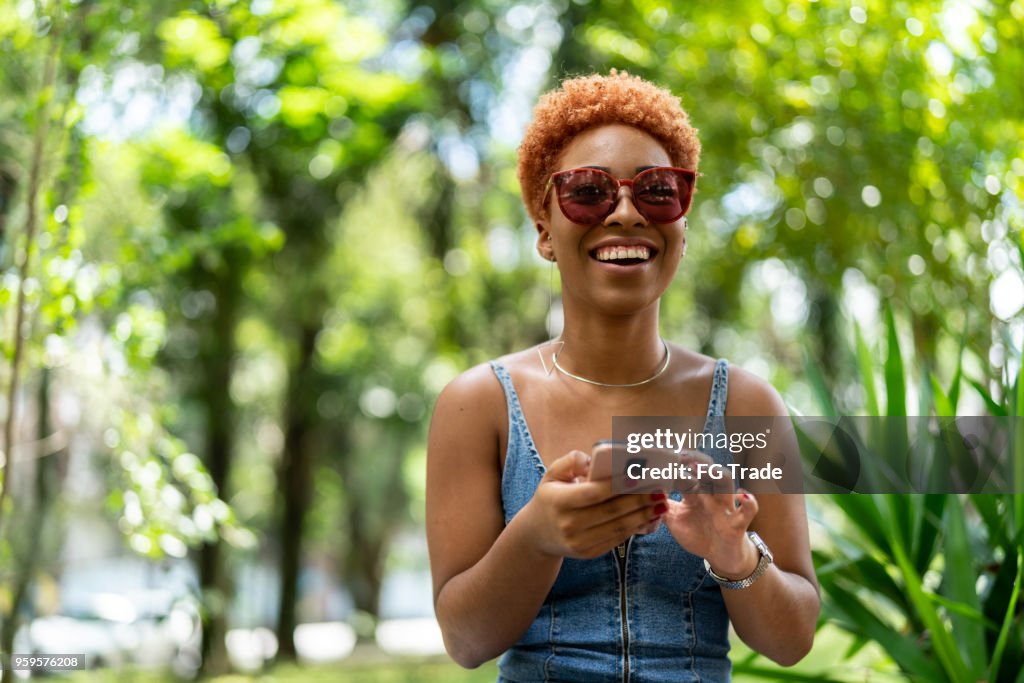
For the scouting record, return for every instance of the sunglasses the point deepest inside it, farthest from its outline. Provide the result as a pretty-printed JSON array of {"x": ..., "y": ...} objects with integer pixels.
[{"x": 589, "y": 195}]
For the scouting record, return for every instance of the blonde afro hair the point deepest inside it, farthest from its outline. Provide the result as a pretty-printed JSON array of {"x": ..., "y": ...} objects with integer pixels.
[{"x": 589, "y": 101}]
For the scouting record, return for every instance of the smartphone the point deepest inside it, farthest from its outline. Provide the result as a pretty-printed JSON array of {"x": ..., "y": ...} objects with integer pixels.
[
  {"x": 601, "y": 459},
  {"x": 610, "y": 460}
]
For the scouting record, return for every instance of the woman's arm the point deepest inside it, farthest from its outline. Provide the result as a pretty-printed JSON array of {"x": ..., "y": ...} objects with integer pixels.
[
  {"x": 777, "y": 614},
  {"x": 490, "y": 580}
]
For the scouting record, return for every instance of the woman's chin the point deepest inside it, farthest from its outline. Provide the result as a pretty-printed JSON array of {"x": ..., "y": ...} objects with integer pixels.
[{"x": 624, "y": 302}]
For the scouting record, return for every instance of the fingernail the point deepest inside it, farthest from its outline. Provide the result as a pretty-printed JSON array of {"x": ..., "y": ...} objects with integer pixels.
[
  {"x": 660, "y": 509},
  {"x": 658, "y": 495},
  {"x": 747, "y": 496}
]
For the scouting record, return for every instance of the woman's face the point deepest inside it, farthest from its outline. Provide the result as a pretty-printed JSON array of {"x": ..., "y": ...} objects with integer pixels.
[{"x": 588, "y": 254}]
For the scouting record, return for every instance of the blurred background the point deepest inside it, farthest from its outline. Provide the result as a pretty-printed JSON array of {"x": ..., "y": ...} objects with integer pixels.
[{"x": 244, "y": 244}]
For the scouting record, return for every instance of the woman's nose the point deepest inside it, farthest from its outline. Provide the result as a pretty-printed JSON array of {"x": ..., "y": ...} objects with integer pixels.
[{"x": 625, "y": 211}]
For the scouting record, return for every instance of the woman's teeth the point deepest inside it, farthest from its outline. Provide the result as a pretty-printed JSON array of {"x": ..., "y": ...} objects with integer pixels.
[{"x": 621, "y": 253}]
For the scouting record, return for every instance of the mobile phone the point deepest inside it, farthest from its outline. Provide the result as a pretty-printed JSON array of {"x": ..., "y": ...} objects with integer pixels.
[{"x": 601, "y": 460}]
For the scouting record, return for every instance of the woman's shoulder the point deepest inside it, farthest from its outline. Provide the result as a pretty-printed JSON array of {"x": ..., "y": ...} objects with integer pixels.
[
  {"x": 479, "y": 389},
  {"x": 752, "y": 395},
  {"x": 748, "y": 394},
  {"x": 473, "y": 388}
]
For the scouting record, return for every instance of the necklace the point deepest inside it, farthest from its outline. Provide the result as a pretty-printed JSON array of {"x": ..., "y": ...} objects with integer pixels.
[{"x": 656, "y": 375}]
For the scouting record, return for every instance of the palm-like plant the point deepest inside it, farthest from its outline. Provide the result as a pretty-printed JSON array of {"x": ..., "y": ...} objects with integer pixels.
[{"x": 933, "y": 579}]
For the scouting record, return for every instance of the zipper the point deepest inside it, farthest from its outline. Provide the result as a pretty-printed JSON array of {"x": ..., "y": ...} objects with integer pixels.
[{"x": 621, "y": 551}]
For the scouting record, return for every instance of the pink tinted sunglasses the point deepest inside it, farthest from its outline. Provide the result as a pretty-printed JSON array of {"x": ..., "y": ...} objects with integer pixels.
[{"x": 589, "y": 195}]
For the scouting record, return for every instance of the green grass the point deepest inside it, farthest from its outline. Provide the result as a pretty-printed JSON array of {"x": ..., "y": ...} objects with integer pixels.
[
  {"x": 869, "y": 664},
  {"x": 413, "y": 670}
]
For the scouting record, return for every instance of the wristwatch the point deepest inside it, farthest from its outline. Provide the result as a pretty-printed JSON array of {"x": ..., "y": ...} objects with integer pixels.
[{"x": 762, "y": 565}]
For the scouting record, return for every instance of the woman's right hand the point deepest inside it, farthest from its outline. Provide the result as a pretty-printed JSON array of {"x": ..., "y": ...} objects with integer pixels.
[{"x": 572, "y": 517}]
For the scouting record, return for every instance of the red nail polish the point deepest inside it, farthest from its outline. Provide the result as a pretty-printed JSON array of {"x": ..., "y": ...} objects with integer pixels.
[
  {"x": 658, "y": 495},
  {"x": 660, "y": 509}
]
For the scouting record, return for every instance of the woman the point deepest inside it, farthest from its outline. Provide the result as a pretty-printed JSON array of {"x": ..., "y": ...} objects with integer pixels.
[{"x": 569, "y": 580}]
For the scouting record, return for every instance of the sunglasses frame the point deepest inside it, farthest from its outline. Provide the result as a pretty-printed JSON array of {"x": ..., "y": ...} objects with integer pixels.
[{"x": 691, "y": 177}]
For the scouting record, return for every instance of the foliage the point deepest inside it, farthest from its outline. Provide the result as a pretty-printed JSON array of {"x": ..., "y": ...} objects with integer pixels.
[
  {"x": 67, "y": 288},
  {"x": 847, "y": 149},
  {"x": 934, "y": 579},
  {"x": 270, "y": 232}
]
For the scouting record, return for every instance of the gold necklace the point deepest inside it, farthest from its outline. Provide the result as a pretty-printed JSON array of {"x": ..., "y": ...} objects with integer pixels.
[{"x": 656, "y": 375}]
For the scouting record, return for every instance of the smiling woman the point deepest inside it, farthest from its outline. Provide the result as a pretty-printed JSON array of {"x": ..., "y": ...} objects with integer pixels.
[{"x": 530, "y": 556}]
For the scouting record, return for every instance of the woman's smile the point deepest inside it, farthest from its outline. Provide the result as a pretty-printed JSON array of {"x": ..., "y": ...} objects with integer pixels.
[{"x": 622, "y": 255}]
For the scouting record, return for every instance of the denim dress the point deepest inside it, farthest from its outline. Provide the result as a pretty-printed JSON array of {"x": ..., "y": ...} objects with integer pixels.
[{"x": 644, "y": 612}]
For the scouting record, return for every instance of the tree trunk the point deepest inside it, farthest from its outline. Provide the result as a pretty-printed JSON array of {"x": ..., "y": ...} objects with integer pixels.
[
  {"x": 218, "y": 365},
  {"x": 375, "y": 504},
  {"x": 26, "y": 546},
  {"x": 294, "y": 484},
  {"x": 24, "y": 259}
]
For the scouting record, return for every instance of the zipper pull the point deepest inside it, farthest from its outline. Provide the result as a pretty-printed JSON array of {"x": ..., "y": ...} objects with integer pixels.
[{"x": 622, "y": 550}]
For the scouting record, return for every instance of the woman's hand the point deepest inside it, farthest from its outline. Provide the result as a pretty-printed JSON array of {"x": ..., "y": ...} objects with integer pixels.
[
  {"x": 713, "y": 524},
  {"x": 572, "y": 517}
]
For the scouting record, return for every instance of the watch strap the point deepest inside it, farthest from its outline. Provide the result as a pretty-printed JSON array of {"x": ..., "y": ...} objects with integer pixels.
[{"x": 762, "y": 566}]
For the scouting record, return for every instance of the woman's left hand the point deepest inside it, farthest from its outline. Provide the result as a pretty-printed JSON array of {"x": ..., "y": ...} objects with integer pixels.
[{"x": 713, "y": 525}]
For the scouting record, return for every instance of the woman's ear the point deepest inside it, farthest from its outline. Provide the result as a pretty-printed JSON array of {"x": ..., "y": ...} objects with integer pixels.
[{"x": 545, "y": 247}]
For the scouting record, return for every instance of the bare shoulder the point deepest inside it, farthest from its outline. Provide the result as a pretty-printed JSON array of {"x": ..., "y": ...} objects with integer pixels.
[
  {"x": 751, "y": 395},
  {"x": 475, "y": 393}
]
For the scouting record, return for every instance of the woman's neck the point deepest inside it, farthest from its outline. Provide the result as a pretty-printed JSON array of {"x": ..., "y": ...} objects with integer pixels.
[{"x": 612, "y": 349}]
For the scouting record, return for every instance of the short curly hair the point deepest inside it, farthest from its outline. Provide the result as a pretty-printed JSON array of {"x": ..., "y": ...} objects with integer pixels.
[{"x": 589, "y": 101}]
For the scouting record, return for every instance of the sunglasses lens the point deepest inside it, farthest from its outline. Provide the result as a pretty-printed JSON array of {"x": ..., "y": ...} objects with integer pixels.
[
  {"x": 662, "y": 195},
  {"x": 585, "y": 195}
]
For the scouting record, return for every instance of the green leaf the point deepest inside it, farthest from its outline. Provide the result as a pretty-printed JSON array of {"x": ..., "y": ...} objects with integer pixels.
[
  {"x": 942, "y": 641},
  {"x": 864, "y": 514},
  {"x": 1011, "y": 611},
  {"x": 895, "y": 387},
  {"x": 943, "y": 403},
  {"x": 965, "y": 611},
  {"x": 993, "y": 407},
  {"x": 987, "y": 506},
  {"x": 954, "y": 388},
  {"x": 902, "y": 512},
  {"x": 867, "y": 371},
  {"x": 818, "y": 385},
  {"x": 856, "y": 646},
  {"x": 1017, "y": 445},
  {"x": 902, "y": 648},
  {"x": 959, "y": 580},
  {"x": 928, "y": 530},
  {"x": 865, "y": 570}
]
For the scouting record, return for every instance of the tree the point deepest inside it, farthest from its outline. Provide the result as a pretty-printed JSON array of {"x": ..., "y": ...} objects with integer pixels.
[{"x": 842, "y": 142}]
